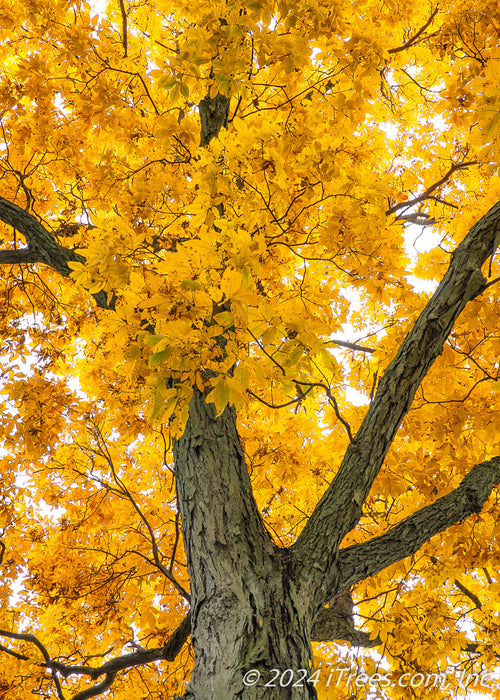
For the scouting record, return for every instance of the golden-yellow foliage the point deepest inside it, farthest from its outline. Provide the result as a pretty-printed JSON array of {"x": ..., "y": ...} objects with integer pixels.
[{"x": 233, "y": 269}]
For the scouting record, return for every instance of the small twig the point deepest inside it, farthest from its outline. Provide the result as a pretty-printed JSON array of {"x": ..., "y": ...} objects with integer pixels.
[
  {"x": 261, "y": 346},
  {"x": 298, "y": 399},
  {"x": 154, "y": 544},
  {"x": 107, "y": 66},
  {"x": 166, "y": 450},
  {"x": 488, "y": 577},
  {"x": 489, "y": 284},
  {"x": 346, "y": 425},
  {"x": 331, "y": 400},
  {"x": 301, "y": 397},
  {"x": 374, "y": 386},
  {"x": 422, "y": 88},
  {"x": 168, "y": 652},
  {"x": 176, "y": 542},
  {"x": 141, "y": 657}
]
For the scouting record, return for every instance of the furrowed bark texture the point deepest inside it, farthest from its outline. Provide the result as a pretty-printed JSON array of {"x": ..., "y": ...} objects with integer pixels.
[
  {"x": 246, "y": 612},
  {"x": 214, "y": 113},
  {"x": 254, "y": 606},
  {"x": 249, "y": 608}
]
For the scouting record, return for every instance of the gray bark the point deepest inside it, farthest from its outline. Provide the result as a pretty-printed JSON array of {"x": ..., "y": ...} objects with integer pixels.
[
  {"x": 404, "y": 539},
  {"x": 245, "y": 610},
  {"x": 42, "y": 246},
  {"x": 255, "y": 606}
]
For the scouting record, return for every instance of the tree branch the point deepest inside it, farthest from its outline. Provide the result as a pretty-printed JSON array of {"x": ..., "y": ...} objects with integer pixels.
[
  {"x": 168, "y": 652},
  {"x": 469, "y": 594},
  {"x": 42, "y": 246},
  {"x": 428, "y": 192},
  {"x": 340, "y": 508},
  {"x": 329, "y": 626},
  {"x": 13, "y": 653},
  {"x": 401, "y": 541},
  {"x": 96, "y": 689},
  {"x": 20, "y": 256},
  {"x": 124, "y": 27},
  {"x": 177, "y": 639},
  {"x": 351, "y": 346},
  {"x": 416, "y": 37},
  {"x": 101, "y": 441},
  {"x": 33, "y": 640}
]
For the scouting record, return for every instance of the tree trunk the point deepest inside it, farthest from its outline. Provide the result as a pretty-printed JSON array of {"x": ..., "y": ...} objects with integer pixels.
[
  {"x": 246, "y": 611},
  {"x": 240, "y": 637}
]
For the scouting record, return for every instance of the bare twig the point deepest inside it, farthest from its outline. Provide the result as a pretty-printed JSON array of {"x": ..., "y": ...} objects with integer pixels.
[
  {"x": 154, "y": 545},
  {"x": 346, "y": 425},
  {"x": 168, "y": 652},
  {"x": 298, "y": 399}
]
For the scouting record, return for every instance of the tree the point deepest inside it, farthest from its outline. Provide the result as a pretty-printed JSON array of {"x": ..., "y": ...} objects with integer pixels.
[{"x": 229, "y": 411}]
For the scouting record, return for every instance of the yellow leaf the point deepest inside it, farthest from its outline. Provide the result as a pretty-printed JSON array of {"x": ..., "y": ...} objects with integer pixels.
[{"x": 219, "y": 395}]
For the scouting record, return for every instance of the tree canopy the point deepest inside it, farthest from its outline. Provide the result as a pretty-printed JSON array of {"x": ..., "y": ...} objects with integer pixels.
[{"x": 250, "y": 348}]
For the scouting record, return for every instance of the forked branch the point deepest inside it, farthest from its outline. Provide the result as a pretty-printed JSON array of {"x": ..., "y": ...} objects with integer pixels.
[
  {"x": 42, "y": 246},
  {"x": 109, "y": 670},
  {"x": 427, "y": 194}
]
